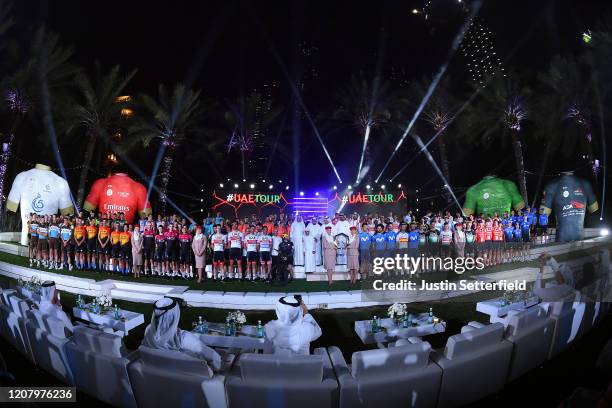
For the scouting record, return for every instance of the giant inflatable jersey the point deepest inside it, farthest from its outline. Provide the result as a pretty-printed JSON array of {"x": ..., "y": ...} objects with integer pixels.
[
  {"x": 492, "y": 195},
  {"x": 118, "y": 193},
  {"x": 40, "y": 191},
  {"x": 569, "y": 197}
]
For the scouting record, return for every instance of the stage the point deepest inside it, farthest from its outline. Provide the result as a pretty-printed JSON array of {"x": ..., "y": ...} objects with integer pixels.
[{"x": 263, "y": 296}]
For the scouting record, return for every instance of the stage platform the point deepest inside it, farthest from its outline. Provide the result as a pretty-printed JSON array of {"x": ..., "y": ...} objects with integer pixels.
[{"x": 224, "y": 297}]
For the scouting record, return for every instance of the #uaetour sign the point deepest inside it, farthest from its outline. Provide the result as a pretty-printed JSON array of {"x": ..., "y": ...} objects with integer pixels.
[{"x": 240, "y": 204}]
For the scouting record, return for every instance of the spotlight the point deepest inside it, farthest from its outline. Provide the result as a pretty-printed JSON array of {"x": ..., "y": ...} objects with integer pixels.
[
  {"x": 252, "y": 186},
  {"x": 201, "y": 210},
  {"x": 286, "y": 187},
  {"x": 244, "y": 180},
  {"x": 415, "y": 11},
  {"x": 604, "y": 232},
  {"x": 202, "y": 190},
  {"x": 317, "y": 193},
  {"x": 335, "y": 187},
  {"x": 201, "y": 200},
  {"x": 301, "y": 193},
  {"x": 368, "y": 186},
  {"x": 220, "y": 185},
  {"x": 235, "y": 185},
  {"x": 382, "y": 186},
  {"x": 280, "y": 181},
  {"x": 270, "y": 186},
  {"x": 228, "y": 179},
  {"x": 350, "y": 187},
  {"x": 399, "y": 185},
  {"x": 263, "y": 181}
]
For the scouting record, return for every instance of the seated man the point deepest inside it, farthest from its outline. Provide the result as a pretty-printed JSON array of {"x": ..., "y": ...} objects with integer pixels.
[
  {"x": 50, "y": 305},
  {"x": 563, "y": 280},
  {"x": 294, "y": 329},
  {"x": 163, "y": 333}
]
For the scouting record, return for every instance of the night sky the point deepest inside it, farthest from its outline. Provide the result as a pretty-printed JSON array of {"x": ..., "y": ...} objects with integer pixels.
[{"x": 229, "y": 48}]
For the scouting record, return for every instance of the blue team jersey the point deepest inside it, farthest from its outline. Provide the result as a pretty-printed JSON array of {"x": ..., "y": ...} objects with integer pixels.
[
  {"x": 379, "y": 240},
  {"x": 543, "y": 219},
  {"x": 532, "y": 218},
  {"x": 518, "y": 234},
  {"x": 413, "y": 239},
  {"x": 391, "y": 236},
  {"x": 365, "y": 240},
  {"x": 66, "y": 232},
  {"x": 525, "y": 225},
  {"x": 505, "y": 221},
  {"x": 509, "y": 233},
  {"x": 54, "y": 231}
]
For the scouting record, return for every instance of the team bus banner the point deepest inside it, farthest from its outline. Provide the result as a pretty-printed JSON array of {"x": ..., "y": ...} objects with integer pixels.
[{"x": 240, "y": 204}]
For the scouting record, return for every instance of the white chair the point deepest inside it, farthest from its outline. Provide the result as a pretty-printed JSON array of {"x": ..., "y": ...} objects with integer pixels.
[
  {"x": 166, "y": 378},
  {"x": 264, "y": 380},
  {"x": 562, "y": 313},
  {"x": 99, "y": 365},
  {"x": 48, "y": 337},
  {"x": 475, "y": 364},
  {"x": 531, "y": 333},
  {"x": 5, "y": 296},
  {"x": 15, "y": 325},
  {"x": 400, "y": 376}
]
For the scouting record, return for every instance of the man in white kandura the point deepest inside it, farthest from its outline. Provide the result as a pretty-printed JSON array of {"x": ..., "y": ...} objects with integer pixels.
[
  {"x": 342, "y": 226},
  {"x": 309, "y": 250},
  {"x": 297, "y": 234},
  {"x": 163, "y": 333},
  {"x": 294, "y": 329},
  {"x": 50, "y": 306},
  {"x": 563, "y": 284}
]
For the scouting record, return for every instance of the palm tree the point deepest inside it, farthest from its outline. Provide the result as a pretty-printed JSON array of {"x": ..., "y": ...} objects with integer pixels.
[
  {"x": 365, "y": 105},
  {"x": 96, "y": 112},
  {"x": 437, "y": 114},
  {"x": 172, "y": 118},
  {"x": 247, "y": 119},
  {"x": 500, "y": 109},
  {"x": 45, "y": 60}
]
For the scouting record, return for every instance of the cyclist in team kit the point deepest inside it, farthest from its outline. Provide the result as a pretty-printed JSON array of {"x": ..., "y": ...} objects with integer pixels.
[
  {"x": 115, "y": 248},
  {"x": 66, "y": 238},
  {"x": 264, "y": 246},
  {"x": 218, "y": 242},
  {"x": 235, "y": 238},
  {"x": 54, "y": 244},
  {"x": 103, "y": 246},
  {"x": 92, "y": 240},
  {"x": 250, "y": 245},
  {"x": 184, "y": 239},
  {"x": 148, "y": 246},
  {"x": 161, "y": 266}
]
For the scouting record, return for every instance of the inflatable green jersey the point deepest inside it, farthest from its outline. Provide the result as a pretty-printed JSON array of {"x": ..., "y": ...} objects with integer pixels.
[{"x": 492, "y": 195}]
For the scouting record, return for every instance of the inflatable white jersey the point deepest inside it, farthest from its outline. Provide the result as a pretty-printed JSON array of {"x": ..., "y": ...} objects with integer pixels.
[{"x": 40, "y": 191}]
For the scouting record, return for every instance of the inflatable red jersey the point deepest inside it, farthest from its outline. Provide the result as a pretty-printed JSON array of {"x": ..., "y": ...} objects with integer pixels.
[{"x": 118, "y": 193}]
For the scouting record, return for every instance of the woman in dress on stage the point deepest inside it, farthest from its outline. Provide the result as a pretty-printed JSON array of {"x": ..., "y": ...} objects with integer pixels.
[
  {"x": 199, "y": 250},
  {"x": 352, "y": 254},
  {"x": 137, "y": 241},
  {"x": 329, "y": 253}
]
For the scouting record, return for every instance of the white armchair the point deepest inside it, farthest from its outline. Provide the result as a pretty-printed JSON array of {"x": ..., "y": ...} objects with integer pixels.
[
  {"x": 531, "y": 332},
  {"x": 15, "y": 325},
  {"x": 475, "y": 364},
  {"x": 563, "y": 314},
  {"x": 400, "y": 376},
  {"x": 264, "y": 380},
  {"x": 48, "y": 337},
  {"x": 99, "y": 364},
  {"x": 167, "y": 378}
]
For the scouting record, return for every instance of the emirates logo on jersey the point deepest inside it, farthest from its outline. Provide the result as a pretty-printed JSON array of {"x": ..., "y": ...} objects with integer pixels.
[
  {"x": 566, "y": 194},
  {"x": 486, "y": 196},
  {"x": 109, "y": 192}
]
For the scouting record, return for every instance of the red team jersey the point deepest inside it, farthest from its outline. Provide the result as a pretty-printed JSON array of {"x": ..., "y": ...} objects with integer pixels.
[
  {"x": 498, "y": 234},
  {"x": 118, "y": 193},
  {"x": 488, "y": 233},
  {"x": 480, "y": 235}
]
